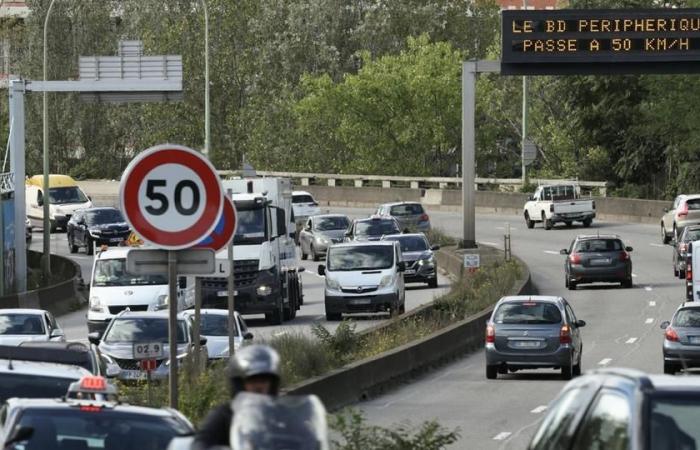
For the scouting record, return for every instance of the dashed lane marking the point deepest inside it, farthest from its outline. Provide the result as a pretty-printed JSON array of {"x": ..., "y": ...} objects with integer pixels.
[
  {"x": 551, "y": 252},
  {"x": 634, "y": 275},
  {"x": 605, "y": 362},
  {"x": 658, "y": 245},
  {"x": 502, "y": 436},
  {"x": 648, "y": 288},
  {"x": 539, "y": 409},
  {"x": 652, "y": 303},
  {"x": 489, "y": 243},
  {"x": 631, "y": 340},
  {"x": 649, "y": 321}
]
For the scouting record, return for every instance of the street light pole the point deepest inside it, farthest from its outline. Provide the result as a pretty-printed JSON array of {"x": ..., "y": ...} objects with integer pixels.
[
  {"x": 46, "y": 198},
  {"x": 524, "y": 124},
  {"x": 207, "y": 123}
]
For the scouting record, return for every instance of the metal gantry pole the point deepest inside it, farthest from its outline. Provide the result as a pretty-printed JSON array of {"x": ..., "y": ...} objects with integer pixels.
[
  {"x": 172, "y": 327},
  {"x": 17, "y": 89},
  {"x": 231, "y": 295},
  {"x": 526, "y": 81},
  {"x": 207, "y": 110},
  {"x": 46, "y": 261},
  {"x": 468, "y": 154}
]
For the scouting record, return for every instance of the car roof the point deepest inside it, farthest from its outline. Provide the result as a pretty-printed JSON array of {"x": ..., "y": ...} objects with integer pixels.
[
  {"x": 377, "y": 218},
  {"x": 530, "y": 298},
  {"x": 401, "y": 203},
  {"x": 98, "y": 208},
  {"x": 38, "y": 312},
  {"x": 44, "y": 369},
  {"x": 321, "y": 216},
  {"x": 394, "y": 237},
  {"x": 689, "y": 305},
  {"x": 301, "y": 193},
  {"x": 689, "y": 196},
  {"x": 211, "y": 311},
  {"x": 364, "y": 244},
  {"x": 148, "y": 315},
  {"x": 55, "y": 180},
  {"x": 648, "y": 382},
  {"x": 114, "y": 253},
  {"x": 52, "y": 403},
  {"x": 583, "y": 237}
]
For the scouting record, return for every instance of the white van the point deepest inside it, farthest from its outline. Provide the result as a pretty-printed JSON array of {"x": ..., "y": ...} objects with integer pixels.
[
  {"x": 113, "y": 289},
  {"x": 364, "y": 276},
  {"x": 65, "y": 197}
]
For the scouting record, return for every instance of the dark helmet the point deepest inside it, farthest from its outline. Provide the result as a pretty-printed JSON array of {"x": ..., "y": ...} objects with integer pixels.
[{"x": 252, "y": 361}]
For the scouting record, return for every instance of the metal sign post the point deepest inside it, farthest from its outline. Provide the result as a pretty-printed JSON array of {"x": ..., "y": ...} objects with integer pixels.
[
  {"x": 172, "y": 326},
  {"x": 231, "y": 294}
]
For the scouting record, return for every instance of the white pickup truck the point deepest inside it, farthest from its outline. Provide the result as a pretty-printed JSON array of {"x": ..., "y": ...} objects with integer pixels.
[{"x": 556, "y": 203}]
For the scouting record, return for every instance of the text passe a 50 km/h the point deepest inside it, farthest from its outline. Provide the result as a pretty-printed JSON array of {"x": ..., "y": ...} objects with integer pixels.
[{"x": 601, "y": 41}]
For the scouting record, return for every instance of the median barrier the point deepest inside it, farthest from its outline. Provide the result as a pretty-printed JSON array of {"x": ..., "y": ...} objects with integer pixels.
[
  {"x": 60, "y": 297},
  {"x": 371, "y": 376}
]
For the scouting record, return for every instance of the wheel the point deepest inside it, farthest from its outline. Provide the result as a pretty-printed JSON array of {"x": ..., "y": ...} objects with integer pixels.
[
  {"x": 393, "y": 310},
  {"x": 402, "y": 308},
  {"x": 681, "y": 274},
  {"x": 528, "y": 222},
  {"x": 90, "y": 249},
  {"x": 577, "y": 368},
  {"x": 433, "y": 283},
  {"x": 676, "y": 272},
  {"x": 567, "y": 372},
  {"x": 304, "y": 256},
  {"x": 547, "y": 222},
  {"x": 333, "y": 317},
  {"x": 53, "y": 227},
  {"x": 587, "y": 223},
  {"x": 572, "y": 285},
  {"x": 665, "y": 239},
  {"x": 627, "y": 283},
  {"x": 276, "y": 317},
  {"x": 71, "y": 245},
  {"x": 568, "y": 223},
  {"x": 566, "y": 281},
  {"x": 491, "y": 372},
  {"x": 314, "y": 256},
  {"x": 670, "y": 369}
]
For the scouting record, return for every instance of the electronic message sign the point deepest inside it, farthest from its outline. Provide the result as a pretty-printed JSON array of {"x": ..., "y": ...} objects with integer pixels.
[{"x": 600, "y": 41}]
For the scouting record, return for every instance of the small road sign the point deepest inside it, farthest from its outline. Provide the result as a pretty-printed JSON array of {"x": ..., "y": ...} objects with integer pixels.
[
  {"x": 143, "y": 261},
  {"x": 529, "y": 152},
  {"x": 148, "y": 350},
  {"x": 472, "y": 261},
  {"x": 171, "y": 196},
  {"x": 225, "y": 228}
]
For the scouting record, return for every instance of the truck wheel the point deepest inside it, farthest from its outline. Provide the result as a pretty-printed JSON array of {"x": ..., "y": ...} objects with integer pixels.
[
  {"x": 53, "y": 227},
  {"x": 568, "y": 223},
  {"x": 587, "y": 223},
  {"x": 275, "y": 317},
  {"x": 530, "y": 224},
  {"x": 71, "y": 245},
  {"x": 547, "y": 222}
]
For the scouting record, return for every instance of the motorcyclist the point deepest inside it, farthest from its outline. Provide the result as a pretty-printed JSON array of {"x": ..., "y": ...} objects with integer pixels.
[{"x": 254, "y": 368}]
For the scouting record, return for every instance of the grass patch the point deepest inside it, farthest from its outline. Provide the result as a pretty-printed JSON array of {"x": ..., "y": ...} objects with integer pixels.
[{"x": 438, "y": 237}]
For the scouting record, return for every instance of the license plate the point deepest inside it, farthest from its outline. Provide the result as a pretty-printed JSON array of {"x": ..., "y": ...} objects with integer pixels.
[
  {"x": 225, "y": 293},
  {"x": 694, "y": 339},
  {"x": 133, "y": 375},
  {"x": 116, "y": 240},
  {"x": 526, "y": 344},
  {"x": 410, "y": 272},
  {"x": 600, "y": 261},
  {"x": 360, "y": 301},
  {"x": 148, "y": 350}
]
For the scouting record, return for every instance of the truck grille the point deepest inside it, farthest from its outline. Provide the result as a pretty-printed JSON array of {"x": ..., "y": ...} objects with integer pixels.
[
  {"x": 359, "y": 289},
  {"x": 119, "y": 308},
  {"x": 245, "y": 273}
]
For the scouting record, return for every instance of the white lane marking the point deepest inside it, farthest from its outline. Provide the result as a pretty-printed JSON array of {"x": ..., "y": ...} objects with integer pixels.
[
  {"x": 551, "y": 252},
  {"x": 502, "y": 436},
  {"x": 652, "y": 303},
  {"x": 605, "y": 362},
  {"x": 631, "y": 340},
  {"x": 493, "y": 244},
  {"x": 320, "y": 317},
  {"x": 649, "y": 321},
  {"x": 648, "y": 288},
  {"x": 503, "y": 228},
  {"x": 280, "y": 333},
  {"x": 658, "y": 245},
  {"x": 539, "y": 409}
]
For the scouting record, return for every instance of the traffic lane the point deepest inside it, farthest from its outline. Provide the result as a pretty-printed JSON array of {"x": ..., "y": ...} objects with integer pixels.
[
  {"x": 59, "y": 246},
  {"x": 619, "y": 333}
]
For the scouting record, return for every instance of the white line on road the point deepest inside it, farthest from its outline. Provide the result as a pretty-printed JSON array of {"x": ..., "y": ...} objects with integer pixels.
[
  {"x": 648, "y": 288},
  {"x": 634, "y": 275},
  {"x": 280, "y": 333},
  {"x": 489, "y": 243},
  {"x": 631, "y": 340},
  {"x": 658, "y": 245},
  {"x": 649, "y": 321},
  {"x": 539, "y": 409},
  {"x": 605, "y": 362},
  {"x": 652, "y": 303},
  {"x": 551, "y": 252},
  {"x": 502, "y": 436}
]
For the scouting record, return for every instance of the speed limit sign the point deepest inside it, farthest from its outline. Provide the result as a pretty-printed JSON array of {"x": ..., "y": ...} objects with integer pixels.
[{"x": 171, "y": 196}]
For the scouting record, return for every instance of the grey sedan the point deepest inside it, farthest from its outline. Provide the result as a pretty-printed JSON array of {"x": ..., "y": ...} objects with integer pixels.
[
  {"x": 682, "y": 339},
  {"x": 593, "y": 259},
  {"x": 320, "y": 232},
  {"x": 410, "y": 215},
  {"x": 531, "y": 332}
]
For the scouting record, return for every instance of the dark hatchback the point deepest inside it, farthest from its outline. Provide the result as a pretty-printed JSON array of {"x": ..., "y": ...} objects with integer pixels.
[
  {"x": 96, "y": 226},
  {"x": 417, "y": 253},
  {"x": 594, "y": 259}
]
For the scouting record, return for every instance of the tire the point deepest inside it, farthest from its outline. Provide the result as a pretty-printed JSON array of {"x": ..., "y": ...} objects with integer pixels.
[
  {"x": 313, "y": 254},
  {"x": 491, "y": 372},
  {"x": 566, "y": 281},
  {"x": 665, "y": 239},
  {"x": 276, "y": 317},
  {"x": 529, "y": 223},
  {"x": 71, "y": 245},
  {"x": 90, "y": 249},
  {"x": 304, "y": 256},
  {"x": 402, "y": 308},
  {"x": 53, "y": 227},
  {"x": 568, "y": 223},
  {"x": 587, "y": 223},
  {"x": 676, "y": 272},
  {"x": 547, "y": 222},
  {"x": 670, "y": 369},
  {"x": 433, "y": 283},
  {"x": 334, "y": 317},
  {"x": 627, "y": 284},
  {"x": 567, "y": 372},
  {"x": 393, "y": 310},
  {"x": 577, "y": 368},
  {"x": 572, "y": 285}
]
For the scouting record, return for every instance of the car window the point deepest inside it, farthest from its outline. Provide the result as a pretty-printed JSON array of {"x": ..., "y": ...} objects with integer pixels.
[
  {"x": 554, "y": 432},
  {"x": 331, "y": 223},
  {"x": 693, "y": 204},
  {"x": 214, "y": 325},
  {"x": 570, "y": 313},
  {"x": 689, "y": 317},
  {"x": 408, "y": 209},
  {"x": 527, "y": 313},
  {"x": 410, "y": 243},
  {"x": 360, "y": 258},
  {"x": 304, "y": 198},
  {"x": 690, "y": 235},
  {"x": 112, "y": 272},
  {"x": 21, "y": 324},
  {"x": 599, "y": 245},
  {"x": 673, "y": 423},
  {"x": 32, "y": 386},
  {"x": 607, "y": 425}
]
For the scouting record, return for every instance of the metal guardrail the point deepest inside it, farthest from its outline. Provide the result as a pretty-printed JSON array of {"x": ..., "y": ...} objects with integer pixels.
[{"x": 387, "y": 181}]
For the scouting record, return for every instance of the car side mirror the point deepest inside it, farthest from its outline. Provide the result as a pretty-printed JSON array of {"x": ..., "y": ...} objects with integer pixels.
[
  {"x": 348, "y": 234},
  {"x": 673, "y": 242},
  {"x": 57, "y": 333},
  {"x": 301, "y": 269},
  {"x": 113, "y": 370},
  {"x": 435, "y": 248},
  {"x": 40, "y": 202},
  {"x": 401, "y": 266},
  {"x": 248, "y": 336},
  {"x": 629, "y": 249},
  {"x": 580, "y": 323},
  {"x": 89, "y": 197},
  {"x": 321, "y": 269},
  {"x": 95, "y": 337},
  {"x": 202, "y": 341},
  {"x": 563, "y": 251},
  {"x": 18, "y": 434},
  {"x": 665, "y": 324}
]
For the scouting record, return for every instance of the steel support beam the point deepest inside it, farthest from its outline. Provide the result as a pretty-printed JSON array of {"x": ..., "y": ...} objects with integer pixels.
[{"x": 17, "y": 89}]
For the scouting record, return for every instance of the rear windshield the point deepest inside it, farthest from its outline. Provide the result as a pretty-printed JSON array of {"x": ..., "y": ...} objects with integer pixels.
[
  {"x": 331, "y": 223},
  {"x": 692, "y": 235},
  {"x": 410, "y": 243},
  {"x": 693, "y": 203},
  {"x": 674, "y": 423},
  {"x": 361, "y": 258},
  {"x": 599, "y": 245},
  {"x": 32, "y": 386},
  {"x": 215, "y": 325},
  {"x": 102, "y": 216},
  {"x": 302, "y": 199},
  {"x": 527, "y": 313},
  {"x": 21, "y": 324},
  {"x": 687, "y": 318},
  {"x": 410, "y": 209},
  {"x": 564, "y": 192},
  {"x": 376, "y": 228}
]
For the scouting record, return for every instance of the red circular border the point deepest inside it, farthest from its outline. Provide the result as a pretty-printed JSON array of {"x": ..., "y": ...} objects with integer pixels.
[
  {"x": 135, "y": 175},
  {"x": 229, "y": 212}
]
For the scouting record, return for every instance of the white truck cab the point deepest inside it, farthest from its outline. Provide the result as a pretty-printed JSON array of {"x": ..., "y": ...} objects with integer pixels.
[
  {"x": 558, "y": 203},
  {"x": 113, "y": 289}
]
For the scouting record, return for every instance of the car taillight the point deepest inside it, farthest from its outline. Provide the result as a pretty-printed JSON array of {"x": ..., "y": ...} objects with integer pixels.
[
  {"x": 90, "y": 408},
  {"x": 671, "y": 335},
  {"x": 490, "y": 334},
  {"x": 565, "y": 335},
  {"x": 424, "y": 217},
  {"x": 624, "y": 256},
  {"x": 689, "y": 273},
  {"x": 575, "y": 258},
  {"x": 683, "y": 212}
]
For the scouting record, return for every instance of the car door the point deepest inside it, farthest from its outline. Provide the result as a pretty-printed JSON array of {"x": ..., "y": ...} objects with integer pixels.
[
  {"x": 607, "y": 425},
  {"x": 575, "y": 330},
  {"x": 532, "y": 210}
]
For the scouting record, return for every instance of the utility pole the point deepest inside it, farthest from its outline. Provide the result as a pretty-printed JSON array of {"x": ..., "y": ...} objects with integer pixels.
[{"x": 524, "y": 122}]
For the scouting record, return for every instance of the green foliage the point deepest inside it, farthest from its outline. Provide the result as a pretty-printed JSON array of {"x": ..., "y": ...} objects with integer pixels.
[{"x": 437, "y": 236}]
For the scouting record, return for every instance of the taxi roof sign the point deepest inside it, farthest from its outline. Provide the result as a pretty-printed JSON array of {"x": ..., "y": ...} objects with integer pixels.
[{"x": 92, "y": 388}]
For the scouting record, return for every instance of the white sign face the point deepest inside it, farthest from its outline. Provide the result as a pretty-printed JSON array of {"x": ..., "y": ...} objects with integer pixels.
[
  {"x": 171, "y": 196},
  {"x": 472, "y": 261},
  {"x": 148, "y": 350},
  {"x": 222, "y": 268},
  {"x": 529, "y": 152},
  {"x": 197, "y": 261}
]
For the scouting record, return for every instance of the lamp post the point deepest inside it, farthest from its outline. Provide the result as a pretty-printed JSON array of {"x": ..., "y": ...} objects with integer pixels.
[
  {"x": 46, "y": 198},
  {"x": 207, "y": 124},
  {"x": 524, "y": 120}
]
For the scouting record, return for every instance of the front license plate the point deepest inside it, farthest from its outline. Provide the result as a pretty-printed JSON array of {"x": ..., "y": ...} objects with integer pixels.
[
  {"x": 600, "y": 262},
  {"x": 360, "y": 301},
  {"x": 116, "y": 240},
  {"x": 694, "y": 340},
  {"x": 225, "y": 293},
  {"x": 133, "y": 375},
  {"x": 526, "y": 344},
  {"x": 410, "y": 272}
]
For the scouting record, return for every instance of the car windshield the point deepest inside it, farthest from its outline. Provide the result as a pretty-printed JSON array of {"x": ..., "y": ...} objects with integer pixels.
[
  {"x": 376, "y": 257},
  {"x": 408, "y": 209},
  {"x": 410, "y": 243},
  {"x": 215, "y": 325},
  {"x": 112, "y": 272},
  {"x": 599, "y": 245},
  {"x": 250, "y": 228},
  {"x": 673, "y": 423},
  {"x": 689, "y": 318},
  {"x": 304, "y": 198},
  {"x": 66, "y": 195},
  {"x": 22, "y": 324},
  {"x": 102, "y": 216},
  {"x": 331, "y": 223},
  {"x": 144, "y": 329},
  {"x": 32, "y": 386},
  {"x": 528, "y": 313},
  {"x": 691, "y": 235},
  {"x": 98, "y": 428},
  {"x": 376, "y": 228}
]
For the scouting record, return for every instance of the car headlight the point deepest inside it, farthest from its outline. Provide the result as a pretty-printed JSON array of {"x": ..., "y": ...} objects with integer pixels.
[
  {"x": 162, "y": 302},
  {"x": 264, "y": 290},
  {"x": 386, "y": 281},
  {"x": 323, "y": 241},
  {"x": 96, "y": 304},
  {"x": 429, "y": 261},
  {"x": 332, "y": 284},
  {"x": 95, "y": 233}
]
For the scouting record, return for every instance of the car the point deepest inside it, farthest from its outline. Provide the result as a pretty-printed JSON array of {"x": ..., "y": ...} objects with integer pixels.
[
  {"x": 34, "y": 379},
  {"x": 88, "y": 419},
  {"x": 685, "y": 211},
  {"x": 214, "y": 327},
  {"x": 681, "y": 348},
  {"x": 680, "y": 249},
  {"x": 128, "y": 328},
  {"x": 320, "y": 232},
  {"x": 92, "y": 227},
  {"x": 533, "y": 332},
  {"x": 303, "y": 207},
  {"x": 371, "y": 228},
  {"x": 622, "y": 409},
  {"x": 72, "y": 353},
  {"x": 417, "y": 253},
  {"x": 597, "y": 259},
  {"x": 65, "y": 197},
  {"x": 364, "y": 277},
  {"x": 410, "y": 215},
  {"x": 18, "y": 325},
  {"x": 28, "y": 230}
]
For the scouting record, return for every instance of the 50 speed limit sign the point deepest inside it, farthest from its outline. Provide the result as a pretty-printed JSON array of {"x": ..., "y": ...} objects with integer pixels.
[{"x": 171, "y": 196}]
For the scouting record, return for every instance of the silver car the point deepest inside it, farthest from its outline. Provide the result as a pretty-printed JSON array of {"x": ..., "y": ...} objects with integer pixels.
[
  {"x": 320, "y": 232},
  {"x": 685, "y": 211},
  {"x": 214, "y": 327},
  {"x": 532, "y": 332},
  {"x": 682, "y": 339},
  {"x": 410, "y": 215}
]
